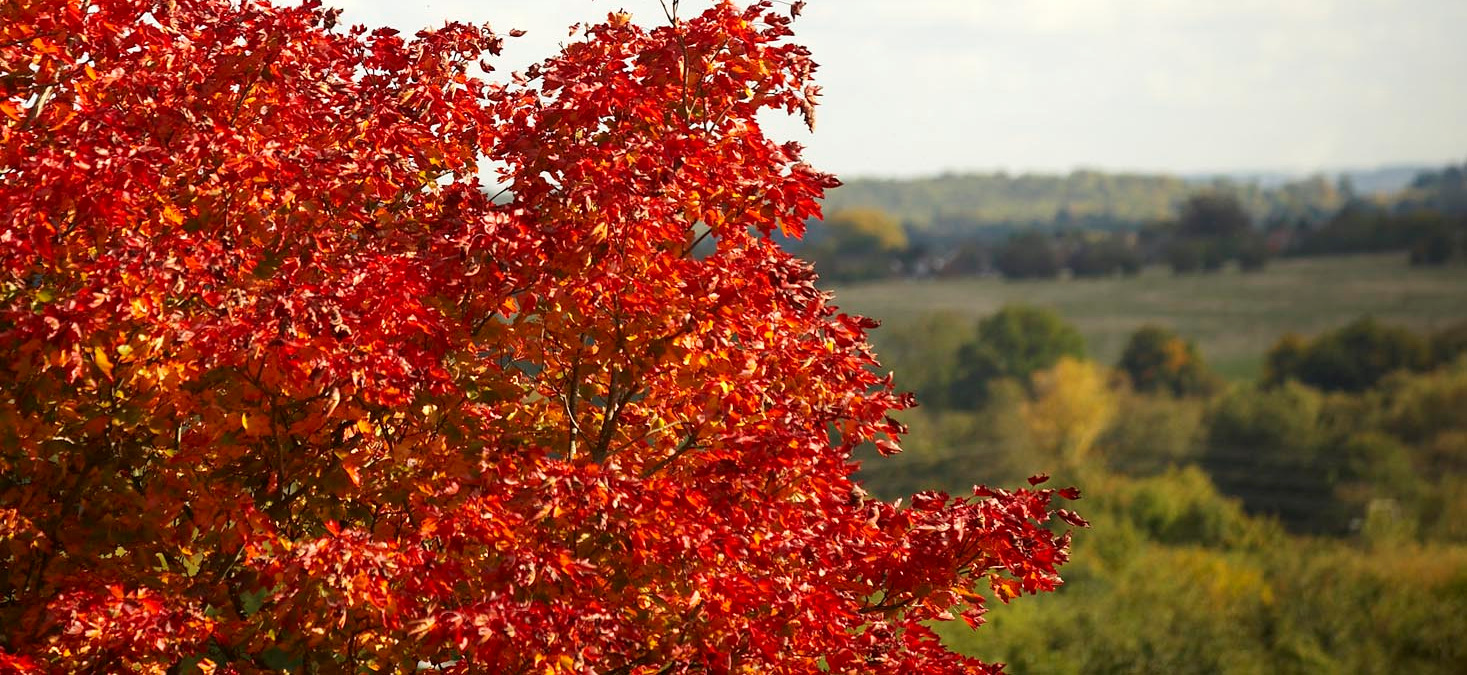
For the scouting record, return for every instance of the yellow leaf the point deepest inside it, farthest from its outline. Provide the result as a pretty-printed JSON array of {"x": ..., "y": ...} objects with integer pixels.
[
  {"x": 244, "y": 421},
  {"x": 100, "y": 355},
  {"x": 172, "y": 214},
  {"x": 364, "y": 425}
]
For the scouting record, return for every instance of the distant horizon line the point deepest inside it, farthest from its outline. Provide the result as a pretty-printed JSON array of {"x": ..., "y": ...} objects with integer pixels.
[{"x": 1278, "y": 172}]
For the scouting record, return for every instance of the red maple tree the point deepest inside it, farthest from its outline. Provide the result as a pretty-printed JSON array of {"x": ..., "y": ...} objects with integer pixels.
[{"x": 285, "y": 388}]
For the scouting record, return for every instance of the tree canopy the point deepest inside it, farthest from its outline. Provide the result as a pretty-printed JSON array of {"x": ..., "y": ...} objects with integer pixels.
[
  {"x": 1014, "y": 342},
  {"x": 1353, "y": 357},
  {"x": 1214, "y": 215},
  {"x": 857, "y": 231},
  {"x": 286, "y": 389},
  {"x": 1157, "y": 359}
]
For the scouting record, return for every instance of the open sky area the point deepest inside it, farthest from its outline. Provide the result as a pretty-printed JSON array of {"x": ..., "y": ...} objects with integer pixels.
[{"x": 919, "y": 87}]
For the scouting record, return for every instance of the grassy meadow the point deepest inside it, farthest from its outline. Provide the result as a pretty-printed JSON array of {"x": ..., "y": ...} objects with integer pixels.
[{"x": 1233, "y": 317}]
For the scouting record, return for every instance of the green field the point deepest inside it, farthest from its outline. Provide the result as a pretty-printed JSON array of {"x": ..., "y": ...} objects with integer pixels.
[{"x": 1233, "y": 317}]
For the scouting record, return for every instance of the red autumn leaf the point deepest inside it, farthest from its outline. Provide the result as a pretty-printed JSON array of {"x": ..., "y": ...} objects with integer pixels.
[
  {"x": 1071, "y": 517},
  {"x": 253, "y": 290}
]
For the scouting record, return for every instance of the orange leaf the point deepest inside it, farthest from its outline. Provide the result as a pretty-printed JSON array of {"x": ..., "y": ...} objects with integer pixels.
[
  {"x": 105, "y": 364},
  {"x": 172, "y": 214}
]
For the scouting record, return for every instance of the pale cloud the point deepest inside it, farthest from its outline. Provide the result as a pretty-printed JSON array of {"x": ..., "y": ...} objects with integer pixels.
[{"x": 920, "y": 86}]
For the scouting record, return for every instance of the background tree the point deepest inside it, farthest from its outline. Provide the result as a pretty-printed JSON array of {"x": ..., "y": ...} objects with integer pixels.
[
  {"x": 1212, "y": 228},
  {"x": 1283, "y": 359},
  {"x": 923, "y": 354},
  {"x": 1213, "y": 215},
  {"x": 865, "y": 231},
  {"x": 1157, "y": 359},
  {"x": 1029, "y": 255},
  {"x": 1071, "y": 406},
  {"x": 1444, "y": 191},
  {"x": 1013, "y": 343},
  {"x": 1152, "y": 434},
  {"x": 1267, "y": 447},
  {"x": 1359, "y": 225},
  {"x": 1351, "y": 358},
  {"x": 1253, "y": 253},
  {"x": 1449, "y": 343},
  {"x": 1104, "y": 257},
  {"x": 286, "y": 390},
  {"x": 858, "y": 244},
  {"x": 1185, "y": 257},
  {"x": 1435, "y": 237}
]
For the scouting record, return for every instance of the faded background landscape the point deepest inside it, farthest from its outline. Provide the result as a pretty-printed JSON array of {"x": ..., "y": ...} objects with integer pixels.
[{"x": 1206, "y": 260}]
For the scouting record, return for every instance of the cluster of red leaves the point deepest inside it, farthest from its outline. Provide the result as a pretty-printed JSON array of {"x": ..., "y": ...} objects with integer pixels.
[{"x": 285, "y": 388}]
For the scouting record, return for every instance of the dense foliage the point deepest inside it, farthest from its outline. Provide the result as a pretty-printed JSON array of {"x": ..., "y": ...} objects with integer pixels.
[
  {"x": 1354, "y": 357},
  {"x": 286, "y": 389},
  {"x": 856, "y": 244},
  {"x": 1157, "y": 359},
  {"x": 967, "y": 205},
  {"x": 1250, "y": 528},
  {"x": 1029, "y": 255},
  {"x": 1211, "y": 229},
  {"x": 1014, "y": 343},
  {"x": 1432, "y": 234},
  {"x": 1095, "y": 225},
  {"x": 954, "y": 205}
]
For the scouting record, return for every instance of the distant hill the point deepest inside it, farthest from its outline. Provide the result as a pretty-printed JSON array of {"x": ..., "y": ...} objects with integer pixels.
[
  {"x": 969, "y": 204},
  {"x": 963, "y": 201},
  {"x": 1385, "y": 180},
  {"x": 1377, "y": 181}
]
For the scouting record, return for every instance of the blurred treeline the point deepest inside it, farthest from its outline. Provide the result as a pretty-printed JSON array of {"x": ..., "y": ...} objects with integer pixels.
[
  {"x": 1091, "y": 224},
  {"x": 1313, "y": 521}
]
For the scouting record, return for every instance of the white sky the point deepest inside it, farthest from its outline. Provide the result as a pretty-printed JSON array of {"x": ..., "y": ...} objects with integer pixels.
[{"x": 918, "y": 87}]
